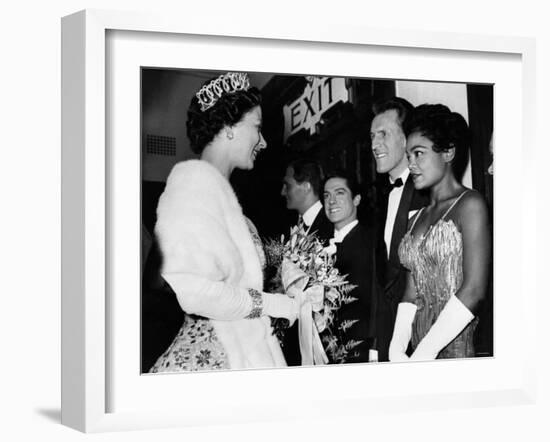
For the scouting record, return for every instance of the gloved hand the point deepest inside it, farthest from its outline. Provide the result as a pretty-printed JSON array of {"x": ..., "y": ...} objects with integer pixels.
[
  {"x": 402, "y": 332},
  {"x": 454, "y": 317},
  {"x": 280, "y": 306}
]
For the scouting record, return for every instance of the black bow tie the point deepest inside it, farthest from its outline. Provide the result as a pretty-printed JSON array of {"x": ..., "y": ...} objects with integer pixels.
[
  {"x": 389, "y": 186},
  {"x": 397, "y": 183}
]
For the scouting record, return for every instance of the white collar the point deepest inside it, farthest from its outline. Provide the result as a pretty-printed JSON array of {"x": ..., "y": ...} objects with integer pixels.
[
  {"x": 311, "y": 213},
  {"x": 404, "y": 176},
  {"x": 339, "y": 235}
]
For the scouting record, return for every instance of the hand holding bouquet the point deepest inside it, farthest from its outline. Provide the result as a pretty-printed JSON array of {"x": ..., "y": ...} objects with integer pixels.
[{"x": 305, "y": 270}]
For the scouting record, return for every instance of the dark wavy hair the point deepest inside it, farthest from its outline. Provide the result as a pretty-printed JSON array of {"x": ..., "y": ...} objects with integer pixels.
[
  {"x": 310, "y": 171},
  {"x": 202, "y": 127},
  {"x": 348, "y": 177},
  {"x": 398, "y": 104},
  {"x": 445, "y": 129}
]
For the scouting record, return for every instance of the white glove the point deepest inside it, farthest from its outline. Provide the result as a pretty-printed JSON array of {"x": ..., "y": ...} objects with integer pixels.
[
  {"x": 402, "y": 332},
  {"x": 373, "y": 355},
  {"x": 280, "y": 306},
  {"x": 450, "y": 322}
]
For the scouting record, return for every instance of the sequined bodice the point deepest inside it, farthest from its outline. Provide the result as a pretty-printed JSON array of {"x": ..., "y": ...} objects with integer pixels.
[{"x": 435, "y": 261}]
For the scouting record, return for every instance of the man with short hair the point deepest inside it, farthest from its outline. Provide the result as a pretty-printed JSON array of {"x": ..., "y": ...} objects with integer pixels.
[
  {"x": 301, "y": 188},
  {"x": 398, "y": 201},
  {"x": 354, "y": 246}
]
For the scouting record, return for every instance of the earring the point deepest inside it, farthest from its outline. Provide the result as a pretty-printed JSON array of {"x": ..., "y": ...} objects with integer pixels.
[{"x": 230, "y": 135}]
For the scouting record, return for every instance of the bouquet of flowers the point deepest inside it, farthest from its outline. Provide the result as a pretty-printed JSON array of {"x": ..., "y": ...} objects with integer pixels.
[{"x": 302, "y": 267}]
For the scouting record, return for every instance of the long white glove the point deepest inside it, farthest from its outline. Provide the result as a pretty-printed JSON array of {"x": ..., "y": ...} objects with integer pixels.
[
  {"x": 280, "y": 306},
  {"x": 402, "y": 332},
  {"x": 450, "y": 322}
]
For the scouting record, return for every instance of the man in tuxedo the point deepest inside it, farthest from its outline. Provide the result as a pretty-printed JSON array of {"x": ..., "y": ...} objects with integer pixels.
[
  {"x": 354, "y": 246},
  {"x": 301, "y": 188},
  {"x": 398, "y": 201}
]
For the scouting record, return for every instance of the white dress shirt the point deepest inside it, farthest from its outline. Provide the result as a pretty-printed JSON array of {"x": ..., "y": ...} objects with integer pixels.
[
  {"x": 393, "y": 205},
  {"x": 339, "y": 236}
]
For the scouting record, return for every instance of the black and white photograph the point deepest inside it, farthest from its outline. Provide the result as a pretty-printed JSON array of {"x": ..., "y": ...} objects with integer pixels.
[
  {"x": 303, "y": 220},
  {"x": 274, "y": 222}
]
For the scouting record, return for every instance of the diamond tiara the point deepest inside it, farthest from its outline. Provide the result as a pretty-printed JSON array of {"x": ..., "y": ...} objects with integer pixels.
[{"x": 228, "y": 83}]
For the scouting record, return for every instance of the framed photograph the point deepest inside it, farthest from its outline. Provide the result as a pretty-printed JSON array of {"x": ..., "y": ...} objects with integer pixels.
[{"x": 119, "y": 145}]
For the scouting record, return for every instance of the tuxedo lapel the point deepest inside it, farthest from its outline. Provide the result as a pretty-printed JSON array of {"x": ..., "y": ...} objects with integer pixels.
[
  {"x": 394, "y": 276},
  {"x": 401, "y": 220},
  {"x": 379, "y": 225},
  {"x": 323, "y": 227},
  {"x": 342, "y": 248}
]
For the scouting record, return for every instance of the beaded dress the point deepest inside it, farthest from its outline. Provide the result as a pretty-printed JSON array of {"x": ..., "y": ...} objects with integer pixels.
[
  {"x": 196, "y": 346},
  {"x": 435, "y": 261}
]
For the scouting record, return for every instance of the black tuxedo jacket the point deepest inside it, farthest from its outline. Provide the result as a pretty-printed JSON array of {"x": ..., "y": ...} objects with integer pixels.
[
  {"x": 391, "y": 274},
  {"x": 355, "y": 257},
  {"x": 322, "y": 227}
]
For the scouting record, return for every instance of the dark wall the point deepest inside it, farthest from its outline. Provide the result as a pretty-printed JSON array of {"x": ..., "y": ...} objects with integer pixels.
[{"x": 480, "y": 110}]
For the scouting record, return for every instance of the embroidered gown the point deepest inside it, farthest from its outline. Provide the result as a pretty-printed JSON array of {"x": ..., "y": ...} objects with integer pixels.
[
  {"x": 435, "y": 261},
  {"x": 196, "y": 346}
]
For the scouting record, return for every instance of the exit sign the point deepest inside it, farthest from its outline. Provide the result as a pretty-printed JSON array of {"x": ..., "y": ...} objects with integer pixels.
[{"x": 319, "y": 95}]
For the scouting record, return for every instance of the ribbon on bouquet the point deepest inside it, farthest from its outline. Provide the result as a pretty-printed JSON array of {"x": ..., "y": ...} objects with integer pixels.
[{"x": 311, "y": 300}]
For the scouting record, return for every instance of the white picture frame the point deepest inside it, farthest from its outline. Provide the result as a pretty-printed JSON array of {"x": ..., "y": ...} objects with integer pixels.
[{"x": 86, "y": 255}]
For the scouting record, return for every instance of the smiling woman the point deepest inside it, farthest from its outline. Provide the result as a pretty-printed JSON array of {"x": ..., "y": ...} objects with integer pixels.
[
  {"x": 212, "y": 255},
  {"x": 245, "y": 139}
]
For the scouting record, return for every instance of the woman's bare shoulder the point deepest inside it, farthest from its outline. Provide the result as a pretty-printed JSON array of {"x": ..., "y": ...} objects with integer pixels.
[
  {"x": 471, "y": 204},
  {"x": 472, "y": 199}
]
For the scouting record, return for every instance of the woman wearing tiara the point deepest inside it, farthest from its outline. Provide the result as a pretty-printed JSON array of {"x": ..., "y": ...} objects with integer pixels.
[
  {"x": 212, "y": 255},
  {"x": 447, "y": 247}
]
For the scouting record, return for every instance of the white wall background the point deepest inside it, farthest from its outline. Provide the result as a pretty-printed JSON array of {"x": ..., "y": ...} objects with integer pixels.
[{"x": 30, "y": 220}]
